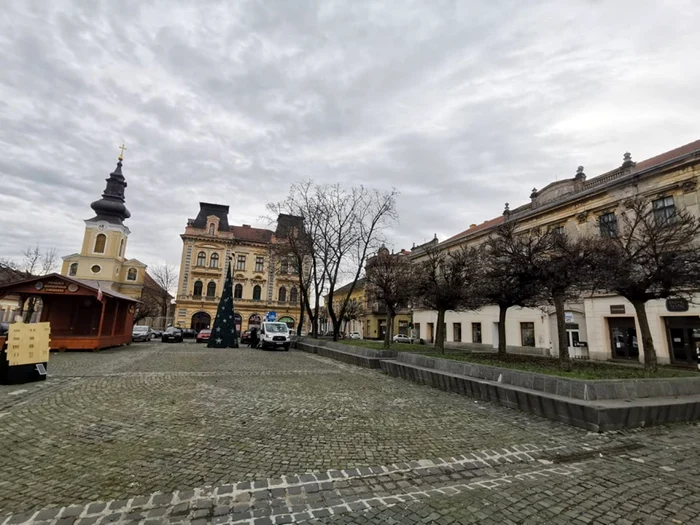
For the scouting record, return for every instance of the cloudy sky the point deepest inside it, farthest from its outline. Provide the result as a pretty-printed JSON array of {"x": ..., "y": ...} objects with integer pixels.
[{"x": 461, "y": 105}]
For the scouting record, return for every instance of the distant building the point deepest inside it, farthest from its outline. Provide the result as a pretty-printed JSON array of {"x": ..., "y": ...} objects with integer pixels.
[
  {"x": 603, "y": 326},
  {"x": 264, "y": 280}
]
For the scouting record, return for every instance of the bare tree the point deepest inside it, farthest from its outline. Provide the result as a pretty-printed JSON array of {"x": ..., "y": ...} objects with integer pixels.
[
  {"x": 511, "y": 271},
  {"x": 165, "y": 277},
  {"x": 350, "y": 228},
  {"x": 448, "y": 281},
  {"x": 654, "y": 254},
  {"x": 389, "y": 283},
  {"x": 566, "y": 271},
  {"x": 36, "y": 262}
]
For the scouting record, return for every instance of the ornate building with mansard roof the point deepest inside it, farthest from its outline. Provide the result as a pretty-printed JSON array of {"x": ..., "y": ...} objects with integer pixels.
[{"x": 263, "y": 281}]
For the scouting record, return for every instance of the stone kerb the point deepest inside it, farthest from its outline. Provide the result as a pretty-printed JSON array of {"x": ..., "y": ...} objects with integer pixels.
[
  {"x": 481, "y": 347},
  {"x": 355, "y": 355},
  {"x": 588, "y": 390}
]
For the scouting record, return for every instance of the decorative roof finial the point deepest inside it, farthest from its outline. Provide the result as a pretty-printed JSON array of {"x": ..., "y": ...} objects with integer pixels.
[
  {"x": 580, "y": 175},
  {"x": 532, "y": 195},
  {"x": 506, "y": 211},
  {"x": 121, "y": 151},
  {"x": 627, "y": 161}
]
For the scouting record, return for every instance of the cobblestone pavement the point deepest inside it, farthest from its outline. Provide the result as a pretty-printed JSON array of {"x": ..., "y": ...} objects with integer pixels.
[{"x": 158, "y": 433}]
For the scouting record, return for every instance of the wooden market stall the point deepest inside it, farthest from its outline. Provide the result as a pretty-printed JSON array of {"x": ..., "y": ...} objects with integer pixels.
[{"x": 82, "y": 314}]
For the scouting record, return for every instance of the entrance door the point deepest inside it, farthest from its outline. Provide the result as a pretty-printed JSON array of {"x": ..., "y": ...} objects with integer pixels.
[
  {"x": 200, "y": 320},
  {"x": 573, "y": 337},
  {"x": 684, "y": 338},
  {"x": 623, "y": 338}
]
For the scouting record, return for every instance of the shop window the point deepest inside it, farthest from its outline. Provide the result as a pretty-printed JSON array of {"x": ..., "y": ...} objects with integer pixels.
[
  {"x": 527, "y": 334},
  {"x": 457, "y": 332}
]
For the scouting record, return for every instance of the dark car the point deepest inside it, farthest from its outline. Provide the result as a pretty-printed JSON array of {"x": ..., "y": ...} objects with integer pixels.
[
  {"x": 157, "y": 333},
  {"x": 203, "y": 335},
  {"x": 172, "y": 334},
  {"x": 245, "y": 337},
  {"x": 189, "y": 333},
  {"x": 4, "y": 328}
]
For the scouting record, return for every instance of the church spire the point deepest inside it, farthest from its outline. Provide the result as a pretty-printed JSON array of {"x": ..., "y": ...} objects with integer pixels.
[{"x": 111, "y": 206}]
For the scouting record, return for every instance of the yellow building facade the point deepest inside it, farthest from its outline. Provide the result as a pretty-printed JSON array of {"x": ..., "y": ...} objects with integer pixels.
[
  {"x": 102, "y": 256},
  {"x": 601, "y": 327},
  {"x": 264, "y": 280}
]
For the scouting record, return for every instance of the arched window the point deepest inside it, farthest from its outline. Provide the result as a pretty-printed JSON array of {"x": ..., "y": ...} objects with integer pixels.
[
  {"x": 121, "y": 248},
  {"x": 284, "y": 266},
  {"x": 256, "y": 292},
  {"x": 211, "y": 229},
  {"x": 131, "y": 274},
  {"x": 201, "y": 259},
  {"x": 293, "y": 296},
  {"x": 214, "y": 260},
  {"x": 211, "y": 289},
  {"x": 100, "y": 242},
  {"x": 198, "y": 288},
  {"x": 73, "y": 270},
  {"x": 282, "y": 298},
  {"x": 238, "y": 291}
]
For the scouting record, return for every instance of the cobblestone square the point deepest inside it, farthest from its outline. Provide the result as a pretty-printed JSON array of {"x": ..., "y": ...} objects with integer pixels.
[{"x": 158, "y": 433}]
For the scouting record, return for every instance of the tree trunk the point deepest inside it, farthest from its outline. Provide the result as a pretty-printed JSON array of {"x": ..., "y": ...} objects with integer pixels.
[
  {"x": 502, "y": 309},
  {"x": 30, "y": 309},
  {"x": 300, "y": 326},
  {"x": 439, "y": 329},
  {"x": 564, "y": 358},
  {"x": 650, "y": 363},
  {"x": 389, "y": 326}
]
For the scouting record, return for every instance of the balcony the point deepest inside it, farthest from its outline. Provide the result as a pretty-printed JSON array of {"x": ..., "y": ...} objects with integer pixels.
[
  {"x": 206, "y": 270},
  {"x": 199, "y": 298}
]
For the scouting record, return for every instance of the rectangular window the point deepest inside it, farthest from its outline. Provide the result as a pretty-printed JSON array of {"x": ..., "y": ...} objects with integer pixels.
[
  {"x": 527, "y": 334},
  {"x": 457, "y": 332},
  {"x": 259, "y": 264},
  {"x": 558, "y": 230},
  {"x": 240, "y": 263},
  {"x": 664, "y": 210},
  {"x": 416, "y": 328},
  {"x": 182, "y": 313},
  {"x": 284, "y": 266},
  {"x": 476, "y": 332},
  {"x": 608, "y": 225}
]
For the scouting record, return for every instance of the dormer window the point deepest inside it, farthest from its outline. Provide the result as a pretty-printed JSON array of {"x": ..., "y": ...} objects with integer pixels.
[{"x": 212, "y": 229}]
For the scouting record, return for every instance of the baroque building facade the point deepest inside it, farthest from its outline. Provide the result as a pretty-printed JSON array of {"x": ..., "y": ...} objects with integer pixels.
[
  {"x": 599, "y": 326},
  {"x": 264, "y": 280}
]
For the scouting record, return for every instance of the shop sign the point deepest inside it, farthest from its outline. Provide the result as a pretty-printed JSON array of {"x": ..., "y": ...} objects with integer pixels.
[
  {"x": 676, "y": 304},
  {"x": 617, "y": 308},
  {"x": 568, "y": 317}
]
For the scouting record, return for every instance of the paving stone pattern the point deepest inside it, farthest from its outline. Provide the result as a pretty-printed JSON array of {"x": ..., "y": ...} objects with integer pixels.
[{"x": 158, "y": 433}]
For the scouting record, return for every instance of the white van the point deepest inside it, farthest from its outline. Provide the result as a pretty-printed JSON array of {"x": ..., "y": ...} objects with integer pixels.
[{"x": 274, "y": 335}]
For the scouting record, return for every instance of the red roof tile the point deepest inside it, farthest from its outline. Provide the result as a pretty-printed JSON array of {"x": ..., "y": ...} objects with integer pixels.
[
  {"x": 669, "y": 155},
  {"x": 247, "y": 233},
  {"x": 483, "y": 226}
]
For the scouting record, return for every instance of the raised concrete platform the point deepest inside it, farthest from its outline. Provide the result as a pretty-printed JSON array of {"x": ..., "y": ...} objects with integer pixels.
[
  {"x": 593, "y": 405},
  {"x": 354, "y": 355}
]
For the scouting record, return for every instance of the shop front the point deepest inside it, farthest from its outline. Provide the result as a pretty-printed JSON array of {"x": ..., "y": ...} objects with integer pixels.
[
  {"x": 623, "y": 338},
  {"x": 683, "y": 335}
]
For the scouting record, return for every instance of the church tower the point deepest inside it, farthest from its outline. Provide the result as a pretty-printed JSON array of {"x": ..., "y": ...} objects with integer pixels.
[{"x": 103, "y": 253}]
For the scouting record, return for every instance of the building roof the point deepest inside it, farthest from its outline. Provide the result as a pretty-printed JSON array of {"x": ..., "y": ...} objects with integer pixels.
[
  {"x": 205, "y": 210},
  {"x": 593, "y": 184},
  {"x": 87, "y": 283},
  {"x": 10, "y": 275},
  {"x": 344, "y": 289},
  {"x": 111, "y": 207},
  {"x": 250, "y": 234}
]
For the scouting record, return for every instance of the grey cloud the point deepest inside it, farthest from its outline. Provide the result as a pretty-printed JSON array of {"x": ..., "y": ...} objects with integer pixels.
[{"x": 462, "y": 106}]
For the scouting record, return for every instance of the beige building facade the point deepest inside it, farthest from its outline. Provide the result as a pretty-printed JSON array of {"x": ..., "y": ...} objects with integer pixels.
[
  {"x": 263, "y": 279},
  {"x": 601, "y": 327}
]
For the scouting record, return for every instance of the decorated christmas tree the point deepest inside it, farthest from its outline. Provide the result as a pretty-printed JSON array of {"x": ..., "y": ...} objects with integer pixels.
[{"x": 223, "y": 334}]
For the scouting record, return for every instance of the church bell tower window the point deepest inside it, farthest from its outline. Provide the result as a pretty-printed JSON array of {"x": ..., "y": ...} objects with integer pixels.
[
  {"x": 100, "y": 242},
  {"x": 73, "y": 270}
]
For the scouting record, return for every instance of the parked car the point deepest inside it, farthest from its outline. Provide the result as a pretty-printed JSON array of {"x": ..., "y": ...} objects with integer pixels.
[
  {"x": 355, "y": 335},
  {"x": 141, "y": 333},
  {"x": 172, "y": 334},
  {"x": 4, "y": 328},
  {"x": 157, "y": 333},
  {"x": 245, "y": 337},
  {"x": 401, "y": 338},
  {"x": 189, "y": 333},
  {"x": 204, "y": 335},
  {"x": 275, "y": 335}
]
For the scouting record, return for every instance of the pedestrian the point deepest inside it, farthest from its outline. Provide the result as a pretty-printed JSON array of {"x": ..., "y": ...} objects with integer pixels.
[{"x": 254, "y": 337}]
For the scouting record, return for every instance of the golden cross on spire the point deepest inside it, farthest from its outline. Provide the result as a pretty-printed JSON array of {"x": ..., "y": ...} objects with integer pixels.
[{"x": 121, "y": 154}]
